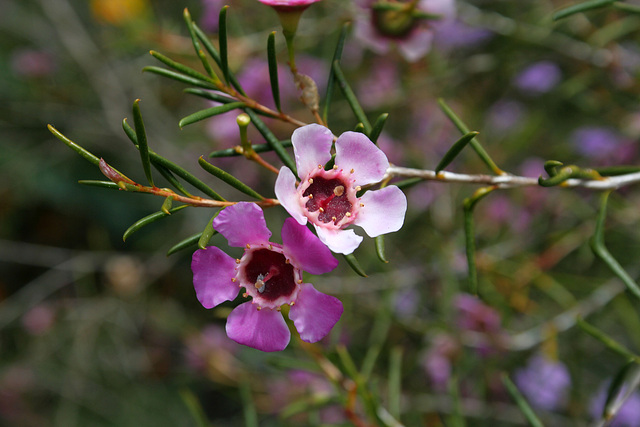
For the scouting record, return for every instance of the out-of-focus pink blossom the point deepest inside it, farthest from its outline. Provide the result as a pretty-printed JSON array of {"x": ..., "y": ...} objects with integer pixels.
[
  {"x": 412, "y": 34},
  {"x": 544, "y": 382}
]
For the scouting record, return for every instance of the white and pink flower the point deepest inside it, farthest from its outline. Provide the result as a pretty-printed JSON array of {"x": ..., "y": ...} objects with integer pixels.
[
  {"x": 403, "y": 26},
  {"x": 329, "y": 198},
  {"x": 271, "y": 275}
]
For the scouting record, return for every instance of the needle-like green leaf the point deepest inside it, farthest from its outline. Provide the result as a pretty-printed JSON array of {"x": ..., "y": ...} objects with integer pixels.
[
  {"x": 521, "y": 401},
  {"x": 455, "y": 149},
  {"x": 351, "y": 97},
  {"x": 222, "y": 40},
  {"x": 378, "y": 125},
  {"x": 337, "y": 55},
  {"x": 141, "y": 136},
  {"x": 272, "y": 140},
  {"x": 149, "y": 219},
  {"x": 354, "y": 264},
  {"x": 209, "y": 112},
  {"x": 599, "y": 248},
  {"x": 581, "y": 7},
  {"x": 459, "y": 124},
  {"x": 75, "y": 147},
  {"x": 169, "y": 165},
  {"x": 273, "y": 69},
  {"x": 184, "y": 244},
  {"x": 229, "y": 179}
]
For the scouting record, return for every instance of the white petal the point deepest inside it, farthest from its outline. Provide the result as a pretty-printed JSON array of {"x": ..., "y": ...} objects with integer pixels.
[
  {"x": 383, "y": 211},
  {"x": 286, "y": 193},
  {"x": 339, "y": 241}
]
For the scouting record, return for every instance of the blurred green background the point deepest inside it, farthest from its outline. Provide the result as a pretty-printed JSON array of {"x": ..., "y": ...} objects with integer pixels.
[{"x": 100, "y": 332}]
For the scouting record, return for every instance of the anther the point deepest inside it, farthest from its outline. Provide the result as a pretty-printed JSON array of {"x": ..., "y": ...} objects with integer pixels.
[
  {"x": 310, "y": 180},
  {"x": 248, "y": 246},
  {"x": 358, "y": 188},
  {"x": 321, "y": 209},
  {"x": 339, "y": 190},
  {"x": 319, "y": 166},
  {"x": 299, "y": 281},
  {"x": 348, "y": 214},
  {"x": 292, "y": 303},
  {"x": 335, "y": 167},
  {"x": 362, "y": 205},
  {"x": 233, "y": 279},
  {"x": 270, "y": 247},
  {"x": 278, "y": 308},
  {"x": 245, "y": 295},
  {"x": 237, "y": 261},
  {"x": 287, "y": 261},
  {"x": 334, "y": 218},
  {"x": 259, "y": 308},
  {"x": 352, "y": 171},
  {"x": 310, "y": 196}
]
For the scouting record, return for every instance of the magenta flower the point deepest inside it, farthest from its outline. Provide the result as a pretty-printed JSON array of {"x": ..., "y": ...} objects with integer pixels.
[
  {"x": 328, "y": 198},
  {"x": 288, "y": 4},
  {"x": 271, "y": 275},
  {"x": 405, "y": 27}
]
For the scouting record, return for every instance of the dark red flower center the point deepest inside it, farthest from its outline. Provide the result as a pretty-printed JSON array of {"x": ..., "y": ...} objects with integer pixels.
[
  {"x": 272, "y": 274},
  {"x": 329, "y": 196}
]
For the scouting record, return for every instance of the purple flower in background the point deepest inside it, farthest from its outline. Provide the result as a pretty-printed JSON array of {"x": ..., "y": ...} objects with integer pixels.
[
  {"x": 544, "y": 382},
  {"x": 538, "y": 78},
  {"x": 380, "y": 86},
  {"x": 211, "y": 14},
  {"x": 627, "y": 416},
  {"x": 437, "y": 362},
  {"x": 504, "y": 115},
  {"x": 474, "y": 315},
  {"x": 271, "y": 275},
  {"x": 328, "y": 198},
  {"x": 31, "y": 63},
  {"x": 378, "y": 29},
  {"x": 603, "y": 145},
  {"x": 481, "y": 320},
  {"x": 454, "y": 34}
]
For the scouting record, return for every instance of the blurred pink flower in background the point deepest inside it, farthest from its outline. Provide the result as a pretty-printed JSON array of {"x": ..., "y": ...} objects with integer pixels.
[
  {"x": 413, "y": 35},
  {"x": 32, "y": 63},
  {"x": 538, "y": 78}
]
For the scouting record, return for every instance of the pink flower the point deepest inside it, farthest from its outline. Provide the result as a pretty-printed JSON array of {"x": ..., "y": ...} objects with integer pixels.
[
  {"x": 288, "y": 4},
  {"x": 271, "y": 275},
  {"x": 328, "y": 198},
  {"x": 405, "y": 27}
]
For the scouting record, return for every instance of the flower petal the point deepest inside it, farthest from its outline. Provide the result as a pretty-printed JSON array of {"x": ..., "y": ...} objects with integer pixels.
[
  {"x": 263, "y": 329},
  {"x": 355, "y": 151},
  {"x": 383, "y": 211},
  {"x": 416, "y": 46},
  {"x": 311, "y": 147},
  {"x": 340, "y": 241},
  {"x": 286, "y": 193},
  {"x": 242, "y": 223},
  {"x": 212, "y": 274},
  {"x": 314, "y": 313},
  {"x": 305, "y": 249}
]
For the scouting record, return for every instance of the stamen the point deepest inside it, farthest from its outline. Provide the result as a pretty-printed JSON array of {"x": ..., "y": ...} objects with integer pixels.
[
  {"x": 287, "y": 261},
  {"x": 238, "y": 261},
  {"x": 321, "y": 209},
  {"x": 335, "y": 167},
  {"x": 233, "y": 279},
  {"x": 319, "y": 166},
  {"x": 310, "y": 180},
  {"x": 334, "y": 218},
  {"x": 362, "y": 205},
  {"x": 292, "y": 303},
  {"x": 299, "y": 281},
  {"x": 259, "y": 308},
  {"x": 352, "y": 171},
  {"x": 245, "y": 295},
  {"x": 358, "y": 188},
  {"x": 270, "y": 247},
  {"x": 348, "y": 214},
  {"x": 248, "y": 246},
  {"x": 339, "y": 190},
  {"x": 310, "y": 196}
]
